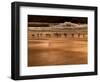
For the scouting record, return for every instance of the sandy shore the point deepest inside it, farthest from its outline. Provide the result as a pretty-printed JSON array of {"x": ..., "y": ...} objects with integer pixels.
[{"x": 57, "y": 52}]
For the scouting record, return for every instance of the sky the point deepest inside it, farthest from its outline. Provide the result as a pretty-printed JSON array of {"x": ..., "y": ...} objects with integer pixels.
[{"x": 56, "y": 19}]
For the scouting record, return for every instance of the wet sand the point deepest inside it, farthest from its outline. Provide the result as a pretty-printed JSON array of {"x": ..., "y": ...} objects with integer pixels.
[{"x": 63, "y": 51}]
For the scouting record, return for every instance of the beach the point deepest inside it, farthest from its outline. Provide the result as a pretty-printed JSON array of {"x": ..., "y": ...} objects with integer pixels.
[{"x": 57, "y": 51}]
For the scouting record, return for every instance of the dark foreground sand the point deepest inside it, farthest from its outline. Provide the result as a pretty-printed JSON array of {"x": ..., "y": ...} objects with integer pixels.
[{"x": 57, "y": 52}]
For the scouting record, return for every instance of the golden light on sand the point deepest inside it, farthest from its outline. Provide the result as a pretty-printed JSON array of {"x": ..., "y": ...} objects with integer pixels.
[{"x": 57, "y": 52}]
